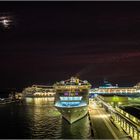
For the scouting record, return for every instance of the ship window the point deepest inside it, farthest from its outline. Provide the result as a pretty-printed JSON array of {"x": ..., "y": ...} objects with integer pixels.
[
  {"x": 78, "y": 98},
  {"x": 76, "y": 93},
  {"x": 70, "y": 103},
  {"x": 66, "y": 94}
]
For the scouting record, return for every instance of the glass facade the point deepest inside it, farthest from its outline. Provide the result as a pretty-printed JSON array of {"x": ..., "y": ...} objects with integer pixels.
[
  {"x": 70, "y": 103},
  {"x": 78, "y": 98}
]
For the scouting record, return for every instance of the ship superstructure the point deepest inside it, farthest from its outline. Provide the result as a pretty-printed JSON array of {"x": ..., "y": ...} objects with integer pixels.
[
  {"x": 72, "y": 98},
  {"x": 39, "y": 91},
  {"x": 108, "y": 88}
]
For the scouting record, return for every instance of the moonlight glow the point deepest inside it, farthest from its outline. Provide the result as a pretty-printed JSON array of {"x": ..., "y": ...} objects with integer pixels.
[{"x": 6, "y": 21}]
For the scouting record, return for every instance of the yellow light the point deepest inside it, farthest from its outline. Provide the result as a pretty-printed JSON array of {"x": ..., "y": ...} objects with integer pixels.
[{"x": 102, "y": 116}]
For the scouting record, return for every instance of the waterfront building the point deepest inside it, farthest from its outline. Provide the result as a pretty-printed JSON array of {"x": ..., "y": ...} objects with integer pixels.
[
  {"x": 124, "y": 116},
  {"x": 114, "y": 100}
]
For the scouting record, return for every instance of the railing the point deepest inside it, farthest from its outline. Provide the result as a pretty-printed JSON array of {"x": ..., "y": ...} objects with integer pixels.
[{"x": 135, "y": 122}]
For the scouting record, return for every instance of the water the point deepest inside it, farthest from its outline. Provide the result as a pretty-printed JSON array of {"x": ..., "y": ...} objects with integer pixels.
[{"x": 37, "y": 118}]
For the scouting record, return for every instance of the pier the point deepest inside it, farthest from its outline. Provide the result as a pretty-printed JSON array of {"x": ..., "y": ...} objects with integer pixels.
[
  {"x": 128, "y": 123},
  {"x": 101, "y": 125}
]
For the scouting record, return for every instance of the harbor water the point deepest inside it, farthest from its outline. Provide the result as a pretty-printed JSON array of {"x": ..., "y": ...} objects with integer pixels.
[{"x": 36, "y": 118}]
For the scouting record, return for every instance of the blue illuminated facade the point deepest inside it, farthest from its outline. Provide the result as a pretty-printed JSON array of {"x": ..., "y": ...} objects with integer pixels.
[
  {"x": 78, "y": 98},
  {"x": 70, "y": 103}
]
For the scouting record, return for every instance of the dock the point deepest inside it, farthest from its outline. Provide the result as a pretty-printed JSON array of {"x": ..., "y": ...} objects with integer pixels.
[{"x": 101, "y": 126}]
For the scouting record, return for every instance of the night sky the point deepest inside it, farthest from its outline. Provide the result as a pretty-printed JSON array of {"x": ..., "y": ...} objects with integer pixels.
[{"x": 52, "y": 41}]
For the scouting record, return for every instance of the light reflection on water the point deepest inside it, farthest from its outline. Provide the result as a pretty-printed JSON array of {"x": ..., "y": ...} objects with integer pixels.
[
  {"x": 40, "y": 101},
  {"x": 37, "y": 118}
]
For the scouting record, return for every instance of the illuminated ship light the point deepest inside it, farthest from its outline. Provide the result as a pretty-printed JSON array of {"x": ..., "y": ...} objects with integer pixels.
[
  {"x": 108, "y": 88},
  {"x": 70, "y": 104},
  {"x": 71, "y": 98}
]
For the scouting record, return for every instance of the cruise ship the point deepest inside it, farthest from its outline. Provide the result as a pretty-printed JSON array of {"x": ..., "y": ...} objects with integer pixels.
[
  {"x": 38, "y": 91},
  {"x": 108, "y": 88},
  {"x": 72, "y": 98}
]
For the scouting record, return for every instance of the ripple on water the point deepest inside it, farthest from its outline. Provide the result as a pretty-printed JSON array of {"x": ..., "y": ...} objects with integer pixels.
[{"x": 34, "y": 120}]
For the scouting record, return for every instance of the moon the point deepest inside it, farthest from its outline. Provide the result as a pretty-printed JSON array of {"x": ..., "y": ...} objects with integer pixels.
[{"x": 6, "y": 21}]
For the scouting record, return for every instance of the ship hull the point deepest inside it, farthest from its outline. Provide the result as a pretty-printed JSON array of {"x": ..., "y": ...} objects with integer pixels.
[{"x": 73, "y": 114}]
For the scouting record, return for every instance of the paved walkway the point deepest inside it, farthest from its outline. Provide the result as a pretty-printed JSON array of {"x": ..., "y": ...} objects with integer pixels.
[{"x": 101, "y": 125}]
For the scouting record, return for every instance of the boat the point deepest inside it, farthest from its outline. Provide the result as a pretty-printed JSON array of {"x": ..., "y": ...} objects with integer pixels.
[
  {"x": 72, "y": 98},
  {"x": 6, "y": 101},
  {"x": 107, "y": 84},
  {"x": 108, "y": 88},
  {"x": 38, "y": 91}
]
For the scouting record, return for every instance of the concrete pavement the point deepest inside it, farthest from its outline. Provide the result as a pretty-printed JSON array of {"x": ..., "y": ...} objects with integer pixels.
[{"x": 101, "y": 125}]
